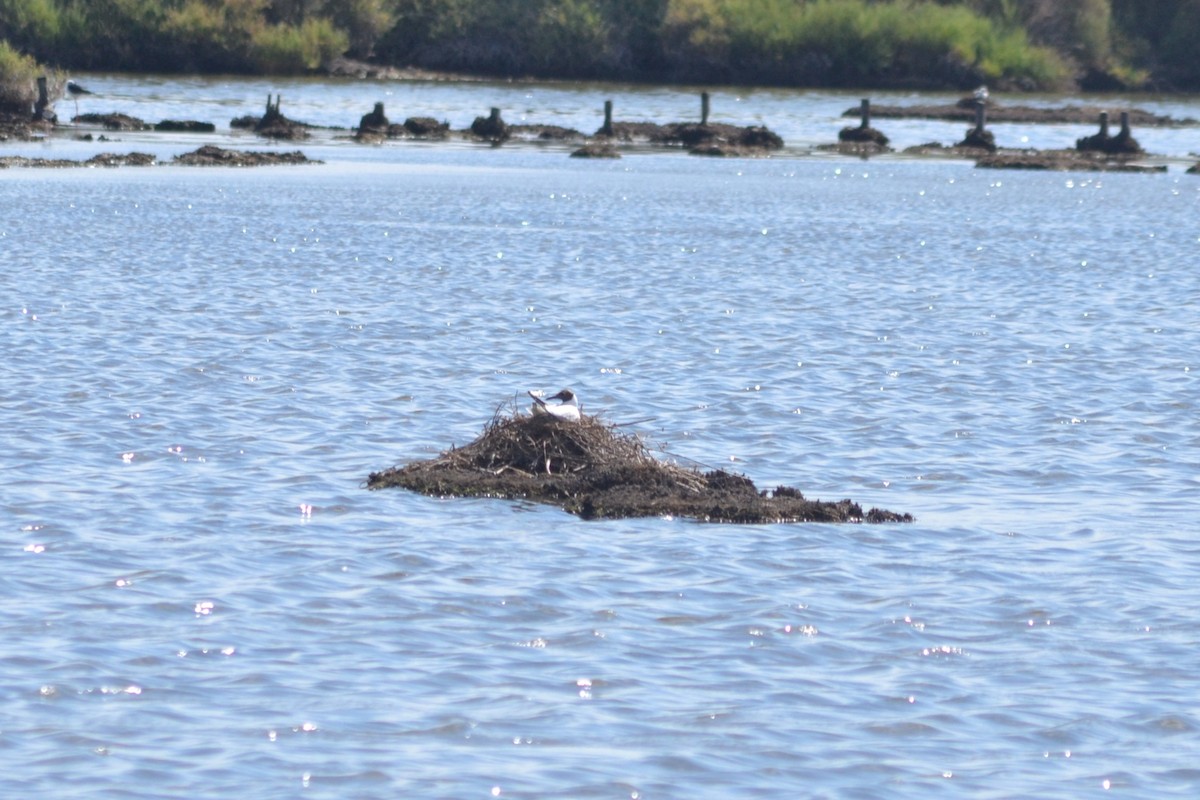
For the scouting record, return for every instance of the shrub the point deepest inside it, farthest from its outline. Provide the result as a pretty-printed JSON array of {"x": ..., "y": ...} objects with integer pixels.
[
  {"x": 18, "y": 80},
  {"x": 292, "y": 49},
  {"x": 852, "y": 42}
]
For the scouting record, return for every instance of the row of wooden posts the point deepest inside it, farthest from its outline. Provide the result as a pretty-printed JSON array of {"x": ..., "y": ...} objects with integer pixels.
[
  {"x": 978, "y": 133},
  {"x": 607, "y": 128}
]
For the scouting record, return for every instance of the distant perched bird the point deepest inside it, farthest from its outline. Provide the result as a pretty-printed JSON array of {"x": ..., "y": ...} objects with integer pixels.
[
  {"x": 981, "y": 95},
  {"x": 568, "y": 407},
  {"x": 75, "y": 90}
]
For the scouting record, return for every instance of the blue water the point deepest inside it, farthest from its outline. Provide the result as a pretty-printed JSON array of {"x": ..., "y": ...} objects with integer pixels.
[{"x": 200, "y": 367}]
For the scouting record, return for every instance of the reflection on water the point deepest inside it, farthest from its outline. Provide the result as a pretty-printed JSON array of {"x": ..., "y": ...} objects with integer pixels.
[{"x": 201, "y": 367}]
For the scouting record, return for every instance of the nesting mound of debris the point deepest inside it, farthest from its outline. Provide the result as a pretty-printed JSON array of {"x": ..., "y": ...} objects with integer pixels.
[{"x": 591, "y": 469}]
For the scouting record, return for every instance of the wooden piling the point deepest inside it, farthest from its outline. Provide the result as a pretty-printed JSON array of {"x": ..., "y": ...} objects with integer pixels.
[
  {"x": 490, "y": 128},
  {"x": 979, "y": 136},
  {"x": 1124, "y": 143},
  {"x": 866, "y": 113},
  {"x": 43, "y": 101},
  {"x": 607, "y": 130},
  {"x": 1104, "y": 122},
  {"x": 704, "y": 108}
]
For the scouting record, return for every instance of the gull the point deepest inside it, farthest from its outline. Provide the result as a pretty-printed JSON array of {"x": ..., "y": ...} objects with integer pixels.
[
  {"x": 568, "y": 407},
  {"x": 981, "y": 95},
  {"x": 74, "y": 90}
]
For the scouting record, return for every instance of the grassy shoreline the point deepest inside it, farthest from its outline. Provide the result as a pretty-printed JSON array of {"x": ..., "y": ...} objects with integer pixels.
[{"x": 1032, "y": 45}]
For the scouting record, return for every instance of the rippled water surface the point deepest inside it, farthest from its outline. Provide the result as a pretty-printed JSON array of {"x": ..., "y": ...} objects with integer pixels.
[{"x": 200, "y": 368}]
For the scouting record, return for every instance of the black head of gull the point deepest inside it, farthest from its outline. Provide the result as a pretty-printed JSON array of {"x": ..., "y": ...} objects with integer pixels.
[{"x": 567, "y": 408}]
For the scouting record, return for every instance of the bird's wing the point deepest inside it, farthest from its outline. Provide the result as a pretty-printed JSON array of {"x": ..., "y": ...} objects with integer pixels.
[{"x": 537, "y": 399}]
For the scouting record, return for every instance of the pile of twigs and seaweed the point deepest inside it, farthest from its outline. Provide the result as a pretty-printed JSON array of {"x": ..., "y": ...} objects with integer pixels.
[{"x": 594, "y": 470}]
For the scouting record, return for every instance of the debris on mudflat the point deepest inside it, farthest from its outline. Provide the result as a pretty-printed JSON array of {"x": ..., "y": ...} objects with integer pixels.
[
  {"x": 964, "y": 110},
  {"x": 273, "y": 124},
  {"x": 185, "y": 126},
  {"x": 594, "y": 150},
  {"x": 591, "y": 469},
  {"x": 1063, "y": 160},
  {"x": 113, "y": 121},
  {"x": 491, "y": 128},
  {"x": 691, "y": 135},
  {"x": 863, "y": 140},
  {"x": 213, "y": 156},
  {"x": 99, "y": 160},
  {"x": 420, "y": 128}
]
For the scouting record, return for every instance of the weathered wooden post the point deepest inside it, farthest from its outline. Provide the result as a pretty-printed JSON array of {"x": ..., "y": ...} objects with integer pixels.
[
  {"x": 1104, "y": 123},
  {"x": 491, "y": 127},
  {"x": 607, "y": 130},
  {"x": 980, "y": 117},
  {"x": 704, "y": 108},
  {"x": 375, "y": 123},
  {"x": 1123, "y": 142},
  {"x": 39, "y": 108},
  {"x": 979, "y": 136},
  {"x": 864, "y": 138}
]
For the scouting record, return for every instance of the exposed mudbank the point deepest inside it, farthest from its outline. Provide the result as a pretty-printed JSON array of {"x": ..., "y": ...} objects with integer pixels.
[
  {"x": 964, "y": 111},
  {"x": 591, "y": 469},
  {"x": 212, "y": 156},
  {"x": 23, "y": 127},
  {"x": 701, "y": 138},
  {"x": 1064, "y": 160},
  {"x": 206, "y": 156},
  {"x": 1032, "y": 159},
  {"x": 1101, "y": 151},
  {"x": 113, "y": 122},
  {"x": 99, "y": 160}
]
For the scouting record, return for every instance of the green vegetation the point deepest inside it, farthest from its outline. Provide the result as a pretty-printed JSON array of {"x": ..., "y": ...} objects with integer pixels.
[
  {"x": 18, "y": 80},
  {"x": 854, "y": 43},
  {"x": 1033, "y": 44}
]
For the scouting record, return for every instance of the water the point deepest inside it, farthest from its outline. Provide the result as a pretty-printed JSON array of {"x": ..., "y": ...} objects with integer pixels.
[{"x": 200, "y": 368}]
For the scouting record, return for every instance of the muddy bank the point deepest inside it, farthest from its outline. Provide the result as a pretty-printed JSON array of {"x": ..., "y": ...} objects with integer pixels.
[
  {"x": 1032, "y": 159},
  {"x": 212, "y": 156},
  {"x": 113, "y": 121},
  {"x": 184, "y": 126},
  {"x": 691, "y": 135},
  {"x": 1064, "y": 160},
  {"x": 591, "y": 469},
  {"x": 207, "y": 156},
  {"x": 22, "y": 127},
  {"x": 595, "y": 150},
  {"x": 99, "y": 160},
  {"x": 703, "y": 138},
  {"x": 964, "y": 111}
]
